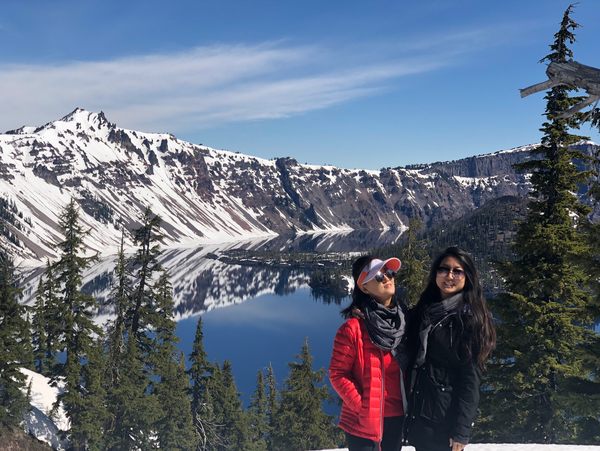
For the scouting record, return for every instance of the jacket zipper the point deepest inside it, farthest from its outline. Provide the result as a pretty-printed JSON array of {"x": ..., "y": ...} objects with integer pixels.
[
  {"x": 412, "y": 395},
  {"x": 382, "y": 398}
]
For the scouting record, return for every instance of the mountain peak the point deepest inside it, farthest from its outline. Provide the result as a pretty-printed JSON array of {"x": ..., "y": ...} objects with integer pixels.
[{"x": 81, "y": 116}]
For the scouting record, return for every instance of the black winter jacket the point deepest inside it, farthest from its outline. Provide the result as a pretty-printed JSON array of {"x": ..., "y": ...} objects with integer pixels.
[{"x": 444, "y": 392}]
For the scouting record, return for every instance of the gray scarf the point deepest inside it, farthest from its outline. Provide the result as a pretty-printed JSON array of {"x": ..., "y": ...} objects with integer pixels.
[
  {"x": 386, "y": 327},
  {"x": 437, "y": 312}
]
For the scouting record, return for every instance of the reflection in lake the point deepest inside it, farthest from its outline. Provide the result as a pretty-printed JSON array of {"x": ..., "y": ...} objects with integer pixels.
[
  {"x": 201, "y": 282},
  {"x": 253, "y": 315}
]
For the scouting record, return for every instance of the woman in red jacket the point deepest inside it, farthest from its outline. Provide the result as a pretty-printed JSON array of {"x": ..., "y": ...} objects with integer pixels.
[{"x": 369, "y": 358}]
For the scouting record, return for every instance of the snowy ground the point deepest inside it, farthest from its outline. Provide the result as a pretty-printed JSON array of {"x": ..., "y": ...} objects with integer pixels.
[
  {"x": 38, "y": 423},
  {"x": 515, "y": 447}
]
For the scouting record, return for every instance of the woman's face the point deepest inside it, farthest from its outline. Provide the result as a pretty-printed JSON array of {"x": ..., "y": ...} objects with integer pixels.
[
  {"x": 450, "y": 277},
  {"x": 382, "y": 291}
]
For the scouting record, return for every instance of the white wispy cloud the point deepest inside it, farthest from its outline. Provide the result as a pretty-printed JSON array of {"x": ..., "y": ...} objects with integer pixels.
[{"x": 207, "y": 86}]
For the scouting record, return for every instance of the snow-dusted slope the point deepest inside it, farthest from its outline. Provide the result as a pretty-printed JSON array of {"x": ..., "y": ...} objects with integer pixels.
[
  {"x": 114, "y": 174},
  {"x": 205, "y": 195}
]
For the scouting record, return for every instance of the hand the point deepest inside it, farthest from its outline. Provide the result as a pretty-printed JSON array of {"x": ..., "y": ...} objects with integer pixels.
[
  {"x": 457, "y": 446},
  {"x": 356, "y": 313}
]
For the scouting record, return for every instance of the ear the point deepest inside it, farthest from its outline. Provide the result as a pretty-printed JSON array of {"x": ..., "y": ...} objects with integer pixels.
[{"x": 363, "y": 289}]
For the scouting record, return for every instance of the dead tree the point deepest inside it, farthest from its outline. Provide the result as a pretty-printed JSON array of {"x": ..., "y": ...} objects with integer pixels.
[{"x": 572, "y": 74}]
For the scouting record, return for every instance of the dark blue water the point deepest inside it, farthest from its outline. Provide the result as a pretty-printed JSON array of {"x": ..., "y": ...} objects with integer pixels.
[{"x": 268, "y": 329}]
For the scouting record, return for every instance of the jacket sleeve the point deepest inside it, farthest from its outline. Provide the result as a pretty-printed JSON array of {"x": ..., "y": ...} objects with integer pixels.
[
  {"x": 468, "y": 402},
  {"x": 340, "y": 369}
]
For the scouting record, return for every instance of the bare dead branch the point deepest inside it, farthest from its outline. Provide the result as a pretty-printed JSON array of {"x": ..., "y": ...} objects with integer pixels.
[{"x": 573, "y": 74}]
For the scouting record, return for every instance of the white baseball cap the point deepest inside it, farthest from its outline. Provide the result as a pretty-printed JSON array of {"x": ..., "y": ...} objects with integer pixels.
[{"x": 374, "y": 267}]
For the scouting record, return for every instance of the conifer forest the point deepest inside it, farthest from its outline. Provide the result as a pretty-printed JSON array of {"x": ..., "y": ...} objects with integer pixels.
[{"x": 127, "y": 387}]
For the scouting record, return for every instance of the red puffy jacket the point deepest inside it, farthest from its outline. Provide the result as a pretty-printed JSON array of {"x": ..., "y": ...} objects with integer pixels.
[{"x": 356, "y": 373}]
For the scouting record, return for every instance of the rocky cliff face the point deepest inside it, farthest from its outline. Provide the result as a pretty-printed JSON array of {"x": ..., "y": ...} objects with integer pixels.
[{"x": 205, "y": 195}]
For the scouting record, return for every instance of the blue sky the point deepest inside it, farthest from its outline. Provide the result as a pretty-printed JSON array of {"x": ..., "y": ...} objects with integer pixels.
[{"x": 355, "y": 84}]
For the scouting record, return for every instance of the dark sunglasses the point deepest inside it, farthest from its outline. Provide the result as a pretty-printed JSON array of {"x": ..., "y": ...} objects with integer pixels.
[
  {"x": 456, "y": 273},
  {"x": 388, "y": 273}
]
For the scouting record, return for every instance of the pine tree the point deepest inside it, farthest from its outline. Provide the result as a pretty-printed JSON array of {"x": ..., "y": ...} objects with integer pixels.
[
  {"x": 93, "y": 413},
  {"x": 538, "y": 387},
  {"x": 119, "y": 388},
  {"x": 199, "y": 373},
  {"x": 174, "y": 429},
  {"x": 13, "y": 403},
  {"x": 227, "y": 409},
  {"x": 257, "y": 411},
  {"x": 145, "y": 263},
  {"x": 415, "y": 262},
  {"x": 46, "y": 324},
  {"x": 300, "y": 422},
  {"x": 133, "y": 411},
  {"x": 272, "y": 404},
  {"x": 120, "y": 298},
  {"x": 27, "y": 338},
  {"x": 75, "y": 311},
  {"x": 217, "y": 438}
]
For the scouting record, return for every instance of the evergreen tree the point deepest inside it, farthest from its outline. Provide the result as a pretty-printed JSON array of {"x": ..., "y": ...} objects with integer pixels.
[
  {"x": 75, "y": 311},
  {"x": 216, "y": 435},
  {"x": 93, "y": 414},
  {"x": 132, "y": 409},
  {"x": 153, "y": 375},
  {"x": 174, "y": 429},
  {"x": 413, "y": 274},
  {"x": 257, "y": 411},
  {"x": 272, "y": 404},
  {"x": 227, "y": 409},
  {"x": 199, "y": 373},
  {"x": 27, "y": 342},
  {"x": 145, "y": 263},
  {"x": 46, "y": 324},
  {"x": 13, "y": 402},
  {"x": 300, "y": 422},
  {"x": 120, "y": 298},
  {"x": 539, "y": 386},
  {"x": 119, "y": 354}
]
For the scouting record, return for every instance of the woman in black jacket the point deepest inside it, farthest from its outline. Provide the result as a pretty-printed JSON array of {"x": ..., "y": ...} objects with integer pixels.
[{"x": 452, "y": 334}]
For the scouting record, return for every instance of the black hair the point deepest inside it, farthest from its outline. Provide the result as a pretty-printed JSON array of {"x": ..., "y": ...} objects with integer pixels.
[
  {"x": 358, "y": 297},
  {"x": 479, "y": 332}
]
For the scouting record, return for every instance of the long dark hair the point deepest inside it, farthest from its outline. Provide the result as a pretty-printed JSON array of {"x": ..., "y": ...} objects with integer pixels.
[
  {"x": 479, "y": 332},
  {"x": 358, "y": 297}
]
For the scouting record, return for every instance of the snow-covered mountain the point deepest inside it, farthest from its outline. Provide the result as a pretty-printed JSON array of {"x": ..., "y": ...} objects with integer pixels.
[{"x": 205, "y": 195}]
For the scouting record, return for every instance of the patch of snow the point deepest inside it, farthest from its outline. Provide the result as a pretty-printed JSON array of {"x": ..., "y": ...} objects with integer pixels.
[{"x": 38, "y": 423}]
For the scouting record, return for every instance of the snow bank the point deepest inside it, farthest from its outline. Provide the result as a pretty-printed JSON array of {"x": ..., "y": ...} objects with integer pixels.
[
  {"x": 513, "y": 447},
  {"x": 38, "y": 423}
]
